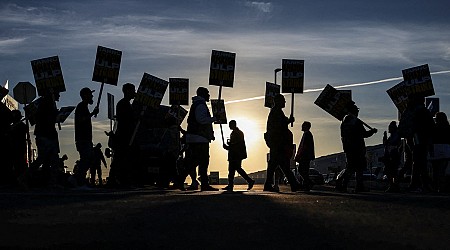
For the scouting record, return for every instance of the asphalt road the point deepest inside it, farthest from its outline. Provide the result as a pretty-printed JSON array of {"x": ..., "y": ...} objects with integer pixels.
[{"x": 147, "y": 218}]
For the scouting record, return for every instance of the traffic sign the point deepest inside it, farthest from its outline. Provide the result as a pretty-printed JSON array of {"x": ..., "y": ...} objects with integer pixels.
[{"x": 24, "y": 92}]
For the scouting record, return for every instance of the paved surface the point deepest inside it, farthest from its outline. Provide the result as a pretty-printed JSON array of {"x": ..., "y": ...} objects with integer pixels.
[{"x": 147, "y": 218}]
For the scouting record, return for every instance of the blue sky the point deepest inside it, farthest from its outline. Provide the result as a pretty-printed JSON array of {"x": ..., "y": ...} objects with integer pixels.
[{"x": 342, "y": 42}]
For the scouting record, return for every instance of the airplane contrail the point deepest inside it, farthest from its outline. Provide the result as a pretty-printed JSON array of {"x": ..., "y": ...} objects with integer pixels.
[{"x": 338, "y": 87}]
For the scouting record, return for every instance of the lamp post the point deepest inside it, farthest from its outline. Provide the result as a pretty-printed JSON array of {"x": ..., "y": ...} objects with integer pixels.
[{"x": 275, "y": 74}]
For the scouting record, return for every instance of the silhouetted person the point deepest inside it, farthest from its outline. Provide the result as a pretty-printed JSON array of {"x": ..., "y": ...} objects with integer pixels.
[
  {"x": 125, "y": 125},
  {"x": 83, "y": 134},
  {"x": 419, "y": 123},
  {"x": 352, "y": 136},
  {"x": 18, "y": 145},
  {"x": 198, "y": 136},
  {"x": 391, "y": 158},
  {"x": 236, "y": 153},
  {"x": 280, "y": 143},
  {"x": 305, "y": 154},
  {"x": 441, "y": 135},
  {"x": 47, "y": 137},
  {"x": 96, "y": 166}
]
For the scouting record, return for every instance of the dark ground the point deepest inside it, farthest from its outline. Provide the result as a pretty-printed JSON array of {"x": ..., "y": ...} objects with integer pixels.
[{"x": 146, "y": 218}]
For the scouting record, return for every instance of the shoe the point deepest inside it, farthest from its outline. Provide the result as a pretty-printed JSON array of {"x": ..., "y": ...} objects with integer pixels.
[
  {"x": 251, "y": 183},
  {"x": 208, "y": 188},
  {"x": 228, "y": 188},
  {"x": 270, "y": 189}
]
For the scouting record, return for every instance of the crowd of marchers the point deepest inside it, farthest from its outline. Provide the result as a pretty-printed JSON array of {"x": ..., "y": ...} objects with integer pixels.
[{"x": 149, "y": 147}]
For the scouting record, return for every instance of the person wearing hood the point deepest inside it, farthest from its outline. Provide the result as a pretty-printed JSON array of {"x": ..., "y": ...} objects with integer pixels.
[{"x": 198, "y": 136}]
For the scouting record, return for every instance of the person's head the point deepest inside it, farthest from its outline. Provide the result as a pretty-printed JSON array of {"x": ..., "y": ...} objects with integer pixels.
[
  {"x": 16, "y": 115},
  {"x": 306, "y": 126},
  {"x": 353, "y": 109},
  {"x": 129, "y": 91},
  {"x": 279, "y": 101},
  {"x": 203, "y": 92},
  {"x": 232, "y": 124},
  {"x": 441, "y": 118},
  {"x": 64, "y": 157},
  {"x": 98, "y": 145},
  {"x": 86, "y": 95},
  {"x": 392, "y": 127}
]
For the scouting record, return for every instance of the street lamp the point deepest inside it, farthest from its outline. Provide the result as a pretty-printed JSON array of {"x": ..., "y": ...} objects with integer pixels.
[{"x": 275, "y": 74}]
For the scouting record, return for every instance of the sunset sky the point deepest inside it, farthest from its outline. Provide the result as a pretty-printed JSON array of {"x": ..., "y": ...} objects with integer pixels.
[{"x": 342, "y": 43}]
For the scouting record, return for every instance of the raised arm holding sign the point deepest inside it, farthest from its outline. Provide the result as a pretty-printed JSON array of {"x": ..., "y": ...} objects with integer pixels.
[
  {"x": 106, "y": 68},
  {"x": 335, "y": 102},
  {"x": 222, "y": 72},
  {"x": 293, "y": 72}
]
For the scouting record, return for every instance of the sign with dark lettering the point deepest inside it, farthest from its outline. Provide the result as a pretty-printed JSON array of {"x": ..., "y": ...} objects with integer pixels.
[
  {"x": 333, "y": 102},
  {"x": 178, "y": 91},
  {"x": 218, "y": 109},
  {"x": 418, "y": 80},
  {"x": 178, "y": 113},
  {"x": 111, "y": 110},
  {"x": 399, "y": 95},
  {"x": 271, "y": 90},
  {"x": 107, "y": 65},
  {"x": 48, "y": 75},
  {"x": 221, "y": 72},
  {"x": 293, "y": 72},
  {"x": 151, "y": 91}
]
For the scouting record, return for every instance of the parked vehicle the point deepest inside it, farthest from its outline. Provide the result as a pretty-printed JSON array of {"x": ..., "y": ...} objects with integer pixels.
[{"x": 314, "y": 175}]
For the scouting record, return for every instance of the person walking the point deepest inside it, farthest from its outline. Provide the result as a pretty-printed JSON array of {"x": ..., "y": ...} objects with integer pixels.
[
  {"x": 125, "y": 121},
  {"x": 352, "y": 136},
  {"x": 305, "y": 154},
  {"x": 280, "y": 141},
  {"x": 441, "y": 137},
  {"x": 83, "y": 134},
  {"x": 391, "y": 158},
  {"x": 417, "y": 125},
  {"x": 236, "y": 153},
  {"x": 96, "y": 166},
  {"x": 198, "y": 136},
  {"x": 47, "y": 142}
]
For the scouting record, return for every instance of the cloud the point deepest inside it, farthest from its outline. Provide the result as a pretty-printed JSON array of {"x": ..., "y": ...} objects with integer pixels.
[{"x": 260, "y": 6}]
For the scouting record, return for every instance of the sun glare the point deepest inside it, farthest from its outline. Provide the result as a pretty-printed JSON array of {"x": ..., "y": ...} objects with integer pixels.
[{"x": 250, "y": 128}]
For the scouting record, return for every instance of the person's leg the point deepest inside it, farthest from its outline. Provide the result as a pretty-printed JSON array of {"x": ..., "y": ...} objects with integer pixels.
[
  {"x": 238, "y": 168},
  {"x": 303, "y": 168},
  {"x": 359, "y": 168},
  {"x": 85, "y": 150},
  {"x": 244, "y": 175},
  {"x": 271, "y": 166},
  {"x": 92, "y": 173},
  {"x": 285, "y": 167},
  {"x": 99, "y": 174},
  {"x": 232, "y": 165}
]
